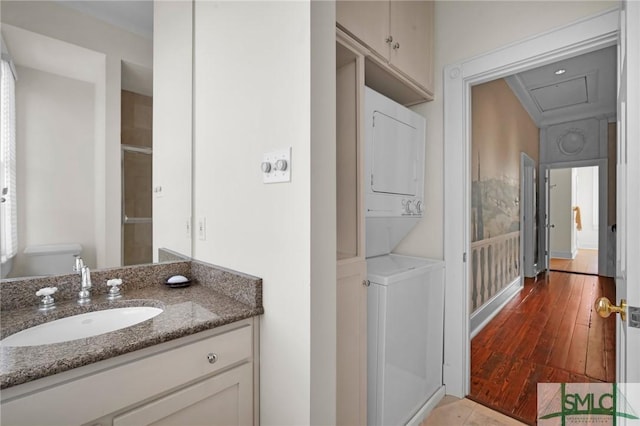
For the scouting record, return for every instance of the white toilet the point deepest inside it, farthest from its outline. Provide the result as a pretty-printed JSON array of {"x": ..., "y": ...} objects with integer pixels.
[{"x": 51, "y": 259}]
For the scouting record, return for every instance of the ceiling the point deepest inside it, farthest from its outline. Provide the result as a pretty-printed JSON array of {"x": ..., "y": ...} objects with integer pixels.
[
  {"x": 135, "y": 16},
  {"x": 586, "y": 88}
]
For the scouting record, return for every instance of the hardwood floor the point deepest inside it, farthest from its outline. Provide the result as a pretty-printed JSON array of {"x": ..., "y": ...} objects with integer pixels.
[
  {"x": 549, "y": 333},
  {"x": 585, "y": 262}
]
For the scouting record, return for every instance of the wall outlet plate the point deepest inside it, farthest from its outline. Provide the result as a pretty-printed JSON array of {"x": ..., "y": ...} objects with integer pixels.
[
  {"x": 202, "y": 228},
  {"x": 274, "y": 175}
]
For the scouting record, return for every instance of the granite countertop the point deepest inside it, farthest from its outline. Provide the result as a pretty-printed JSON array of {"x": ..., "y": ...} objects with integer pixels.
[{"x": 186, "y": 311}]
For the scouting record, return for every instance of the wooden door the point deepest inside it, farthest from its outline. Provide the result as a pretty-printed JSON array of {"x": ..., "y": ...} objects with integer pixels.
[
  {"x": 411, "y": 26},
  {"x": 367, "y": 21}
]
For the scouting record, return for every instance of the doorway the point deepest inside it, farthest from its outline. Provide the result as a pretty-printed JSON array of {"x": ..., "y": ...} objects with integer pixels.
[
  {"x": 574, "y": 220},
  {"x": 597, "y": 32}
]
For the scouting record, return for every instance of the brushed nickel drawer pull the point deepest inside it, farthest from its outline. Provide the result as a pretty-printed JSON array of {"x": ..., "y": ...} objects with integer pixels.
[{"x": 212, "y": 358}]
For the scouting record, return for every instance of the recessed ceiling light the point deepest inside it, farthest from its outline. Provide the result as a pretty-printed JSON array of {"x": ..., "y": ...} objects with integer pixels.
[{"x": 560, "y": 71}]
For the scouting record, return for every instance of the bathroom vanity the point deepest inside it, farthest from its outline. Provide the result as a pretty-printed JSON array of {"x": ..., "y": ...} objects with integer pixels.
[{"x": 195, "y": 363}]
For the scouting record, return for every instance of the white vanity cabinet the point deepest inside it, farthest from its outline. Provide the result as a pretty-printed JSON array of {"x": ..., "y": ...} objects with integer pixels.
[{"x": 208, "y": 378}]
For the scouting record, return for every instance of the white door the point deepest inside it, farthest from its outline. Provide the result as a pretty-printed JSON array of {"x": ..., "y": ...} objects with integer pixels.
[
  {"x": 528, "y": 216},
  {"x": 546, "y": 172},
  {"x": 628, "y": 188}
]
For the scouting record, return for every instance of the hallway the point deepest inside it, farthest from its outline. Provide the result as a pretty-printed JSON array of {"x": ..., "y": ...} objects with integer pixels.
[
  {"x": 548, "y": 333},
  {"x": 585, "y": 262}
]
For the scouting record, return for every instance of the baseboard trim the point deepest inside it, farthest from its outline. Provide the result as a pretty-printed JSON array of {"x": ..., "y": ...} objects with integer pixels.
[
  {"x": 482, "y": 316},
  {"x": 561, "y": 255},
  {"x": 428, "y": 406},
  {"x": 588, "y": 246}
]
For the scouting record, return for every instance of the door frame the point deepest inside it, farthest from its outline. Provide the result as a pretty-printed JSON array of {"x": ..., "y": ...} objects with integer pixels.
[
  {"x": 603, "y": 210},
  {"x": 593, "y": 33}
]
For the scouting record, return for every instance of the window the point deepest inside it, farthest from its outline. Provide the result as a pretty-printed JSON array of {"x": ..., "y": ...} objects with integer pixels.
[{"x": 8, "y": 215}]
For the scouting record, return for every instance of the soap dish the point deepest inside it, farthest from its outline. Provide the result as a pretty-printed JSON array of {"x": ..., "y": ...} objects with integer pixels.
[
  {"x": 177, "y": 281},
  {"x": 178, "y": 285}
]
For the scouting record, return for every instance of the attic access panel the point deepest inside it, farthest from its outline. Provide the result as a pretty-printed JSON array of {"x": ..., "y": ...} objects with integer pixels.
[{"x": 560, "y": 95}]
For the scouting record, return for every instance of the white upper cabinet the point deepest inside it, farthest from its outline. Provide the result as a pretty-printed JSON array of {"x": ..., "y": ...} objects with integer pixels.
[
  {"x": 368, "y": 21},
  {"x": 411, "y": 26},
  {"x": 400, "y": 33}
]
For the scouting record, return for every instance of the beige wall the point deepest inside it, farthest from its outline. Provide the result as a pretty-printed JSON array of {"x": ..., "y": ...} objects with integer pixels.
[
  {"x": 501, "y": 130},
  {"x": 464, "y": 29}
]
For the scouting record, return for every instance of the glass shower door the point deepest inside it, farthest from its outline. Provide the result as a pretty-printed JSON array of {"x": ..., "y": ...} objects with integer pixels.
[{"x": 137, "y": 227}]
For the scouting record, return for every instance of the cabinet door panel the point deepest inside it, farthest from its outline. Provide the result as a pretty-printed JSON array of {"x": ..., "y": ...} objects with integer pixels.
[
  {"x": 224, "y": 400},
  {"x": 411, "y": 24},
  {"x": 351, "y": 348},
  {"x": 368, "y": 21}
]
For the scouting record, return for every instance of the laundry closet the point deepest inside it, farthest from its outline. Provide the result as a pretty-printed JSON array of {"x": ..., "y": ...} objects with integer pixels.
[{"x": 389, "y": 306}]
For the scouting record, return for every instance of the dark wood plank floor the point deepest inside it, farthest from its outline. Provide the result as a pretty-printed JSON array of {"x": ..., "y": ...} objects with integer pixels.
[
  {"x": 549, "y": 333},
  {"x": 585, "y": 262}
]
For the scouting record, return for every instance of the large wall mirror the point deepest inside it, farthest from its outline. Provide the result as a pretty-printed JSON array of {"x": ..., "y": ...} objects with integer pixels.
[{"x": 102, "y": 156}]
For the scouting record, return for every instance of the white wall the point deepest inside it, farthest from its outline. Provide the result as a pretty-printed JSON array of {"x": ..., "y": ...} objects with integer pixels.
[
  {"x": 587, "y": 200},
  {"x": 253, "y": 88},
  {"x": 172, "y": 126},
  {"x": 61, "y": 23},
  {"x": 464, "y": 29},
  {"x": 54, "y": 122}
]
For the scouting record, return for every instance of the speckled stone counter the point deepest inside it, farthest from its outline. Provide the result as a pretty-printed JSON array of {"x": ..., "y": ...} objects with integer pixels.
[{"x": 216, "y": 297}]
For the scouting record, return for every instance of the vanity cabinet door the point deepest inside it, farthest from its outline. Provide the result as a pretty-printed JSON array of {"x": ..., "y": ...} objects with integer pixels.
[{"x": 222, "y": 400}]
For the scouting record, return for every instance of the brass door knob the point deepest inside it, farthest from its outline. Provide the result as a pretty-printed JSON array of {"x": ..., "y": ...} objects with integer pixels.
[{"x": 604, "y": 308}]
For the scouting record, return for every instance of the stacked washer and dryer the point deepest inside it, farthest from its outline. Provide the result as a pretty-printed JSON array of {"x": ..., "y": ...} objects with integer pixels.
[{"x": 406, "y": 294}]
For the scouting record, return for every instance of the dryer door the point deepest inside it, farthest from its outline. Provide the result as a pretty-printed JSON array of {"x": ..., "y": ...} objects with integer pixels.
[{"x": 395, "y": 156}]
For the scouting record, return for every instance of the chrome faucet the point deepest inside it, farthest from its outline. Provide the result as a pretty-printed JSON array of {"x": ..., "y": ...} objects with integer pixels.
[{"x": 84, "y": 296}]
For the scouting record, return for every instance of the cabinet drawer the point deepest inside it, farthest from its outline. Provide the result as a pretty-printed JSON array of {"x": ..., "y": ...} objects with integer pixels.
[
  {"x": 221, "y": 400},
  {"x": 130, "y": 383}
]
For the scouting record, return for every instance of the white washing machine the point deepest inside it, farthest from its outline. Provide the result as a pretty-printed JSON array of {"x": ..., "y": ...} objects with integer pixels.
[{"x": 404, "y": 336}]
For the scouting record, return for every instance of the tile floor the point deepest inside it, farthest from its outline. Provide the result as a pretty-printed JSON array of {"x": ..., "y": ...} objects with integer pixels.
[{"x": 452, "y": 411}]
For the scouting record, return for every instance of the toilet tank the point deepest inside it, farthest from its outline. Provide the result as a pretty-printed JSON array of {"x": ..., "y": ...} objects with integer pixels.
[{"x": 51, "y": 259}]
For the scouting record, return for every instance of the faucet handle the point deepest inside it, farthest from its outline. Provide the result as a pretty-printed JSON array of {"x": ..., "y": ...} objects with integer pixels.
[
  {"x": 79, "y": 264},
  {"x": 47, "y": 303},
  {"x": 86, "y": 277},
  {"x": 114, "y": 292}
]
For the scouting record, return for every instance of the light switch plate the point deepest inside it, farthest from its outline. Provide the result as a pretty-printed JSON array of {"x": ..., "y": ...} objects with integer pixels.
[{"x": 273, "y": 175}]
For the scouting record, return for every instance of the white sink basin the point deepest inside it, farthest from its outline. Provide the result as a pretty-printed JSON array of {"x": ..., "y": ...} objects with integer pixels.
[{"x": 81, "y": 326}]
